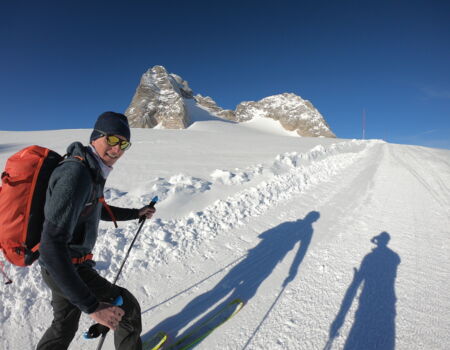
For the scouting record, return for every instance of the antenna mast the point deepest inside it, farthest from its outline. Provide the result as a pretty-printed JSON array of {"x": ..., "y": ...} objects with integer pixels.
[{"x": 364, "y": 124}]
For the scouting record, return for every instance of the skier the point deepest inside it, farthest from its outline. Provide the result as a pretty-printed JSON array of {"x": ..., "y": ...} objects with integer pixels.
[{"x": 73, "y": 209}]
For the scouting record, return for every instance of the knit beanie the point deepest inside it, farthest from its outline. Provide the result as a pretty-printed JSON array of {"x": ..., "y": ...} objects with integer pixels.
[{"x": 111, "y": 123}]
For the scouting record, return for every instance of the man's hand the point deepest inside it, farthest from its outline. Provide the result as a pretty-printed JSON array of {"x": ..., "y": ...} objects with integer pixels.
[
  {"x": 146, "y": 212},
  {"x": 108, "y": 315}
]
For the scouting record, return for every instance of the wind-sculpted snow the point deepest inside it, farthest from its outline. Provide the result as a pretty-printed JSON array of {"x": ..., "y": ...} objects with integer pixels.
[
  {"x": 288, "y": 175},
  {"x": 283, "y": 163}
]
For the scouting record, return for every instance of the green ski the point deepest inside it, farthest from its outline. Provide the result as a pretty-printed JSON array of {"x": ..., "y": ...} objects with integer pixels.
[
  {"x": 156, "y": 342},
  {"x": 207, "y": 327}
]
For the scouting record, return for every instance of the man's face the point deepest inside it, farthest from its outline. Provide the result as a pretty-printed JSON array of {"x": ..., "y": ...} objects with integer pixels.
[{"x": 108, "y": 154}]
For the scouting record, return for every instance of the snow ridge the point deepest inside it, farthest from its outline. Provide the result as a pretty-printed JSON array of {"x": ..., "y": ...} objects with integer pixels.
[{"x": 290, "y": 175}]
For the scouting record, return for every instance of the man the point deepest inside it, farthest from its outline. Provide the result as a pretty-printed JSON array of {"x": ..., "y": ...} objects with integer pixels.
[{"x": 73, "y": 209}]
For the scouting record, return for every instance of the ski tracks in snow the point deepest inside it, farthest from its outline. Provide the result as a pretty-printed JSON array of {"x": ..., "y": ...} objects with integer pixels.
[
  {"x": 361, "y": 190},
  {"x": 382, "y": 293},
  {"x": 422, "y": 239}
]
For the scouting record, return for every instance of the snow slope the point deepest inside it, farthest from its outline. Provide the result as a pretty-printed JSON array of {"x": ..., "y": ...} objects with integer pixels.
[{"x": 335, "y": 244}]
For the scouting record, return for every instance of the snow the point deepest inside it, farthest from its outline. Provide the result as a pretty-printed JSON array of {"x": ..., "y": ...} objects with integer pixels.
[
  {"x": 198, "y": 113},
  {"x": 286, "y": 223},
  {"x": 268, "y": 125}
]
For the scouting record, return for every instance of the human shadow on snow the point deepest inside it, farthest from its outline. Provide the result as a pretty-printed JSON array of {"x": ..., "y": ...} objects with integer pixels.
[
  {"x": 374, "y": 323},
  {"x": 244, "y": 279}
]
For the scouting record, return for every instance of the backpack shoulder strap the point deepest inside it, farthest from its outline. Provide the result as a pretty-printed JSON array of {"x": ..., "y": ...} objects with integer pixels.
[
  {"x": 101, "y": 199},
  {"x": 81, "y": 160}
]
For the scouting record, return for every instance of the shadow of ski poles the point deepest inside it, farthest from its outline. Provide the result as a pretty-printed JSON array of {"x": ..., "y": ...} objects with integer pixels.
[{"x": 194, "y": 285}]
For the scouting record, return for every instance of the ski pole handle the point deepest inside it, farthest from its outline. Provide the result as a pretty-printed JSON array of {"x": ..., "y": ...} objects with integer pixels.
[
  {"x": 153, "y": 202},
  {"x": 98, "y": 329},
  {"x": 151, "y": 205},
  {"x": 101, "y": 329}
]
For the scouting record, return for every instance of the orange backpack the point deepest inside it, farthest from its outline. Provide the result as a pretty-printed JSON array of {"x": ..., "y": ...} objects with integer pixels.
[{"x": 22, "y": 199}]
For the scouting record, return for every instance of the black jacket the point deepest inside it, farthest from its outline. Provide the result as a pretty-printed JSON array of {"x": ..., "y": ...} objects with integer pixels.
[{"x": 72, "y": 214}]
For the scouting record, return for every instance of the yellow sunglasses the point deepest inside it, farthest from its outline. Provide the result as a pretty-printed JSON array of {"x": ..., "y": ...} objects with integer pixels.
[{"x": 113, "y": 140}]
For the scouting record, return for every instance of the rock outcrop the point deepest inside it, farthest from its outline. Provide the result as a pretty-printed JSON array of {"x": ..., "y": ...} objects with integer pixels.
[
  {"x": 293, "y": 113},
  {"x": 159, "y": 101},
  {"x": 210, "y": 105}
]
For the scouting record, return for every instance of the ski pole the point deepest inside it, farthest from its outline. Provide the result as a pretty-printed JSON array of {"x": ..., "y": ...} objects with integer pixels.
[{"x": 141, "y": 221}]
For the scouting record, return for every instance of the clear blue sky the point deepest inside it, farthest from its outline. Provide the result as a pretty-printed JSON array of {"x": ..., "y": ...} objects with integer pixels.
[{"x": 62, "y": 63}]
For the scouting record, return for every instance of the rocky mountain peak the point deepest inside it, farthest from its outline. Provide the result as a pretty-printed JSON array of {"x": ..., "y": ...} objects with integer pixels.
[
  {"x": 160, "y": 80},
  {"x": 159, "y": 101},
  {"x": 293, "y": 113},
  {"x": 166, "y": 100}
]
